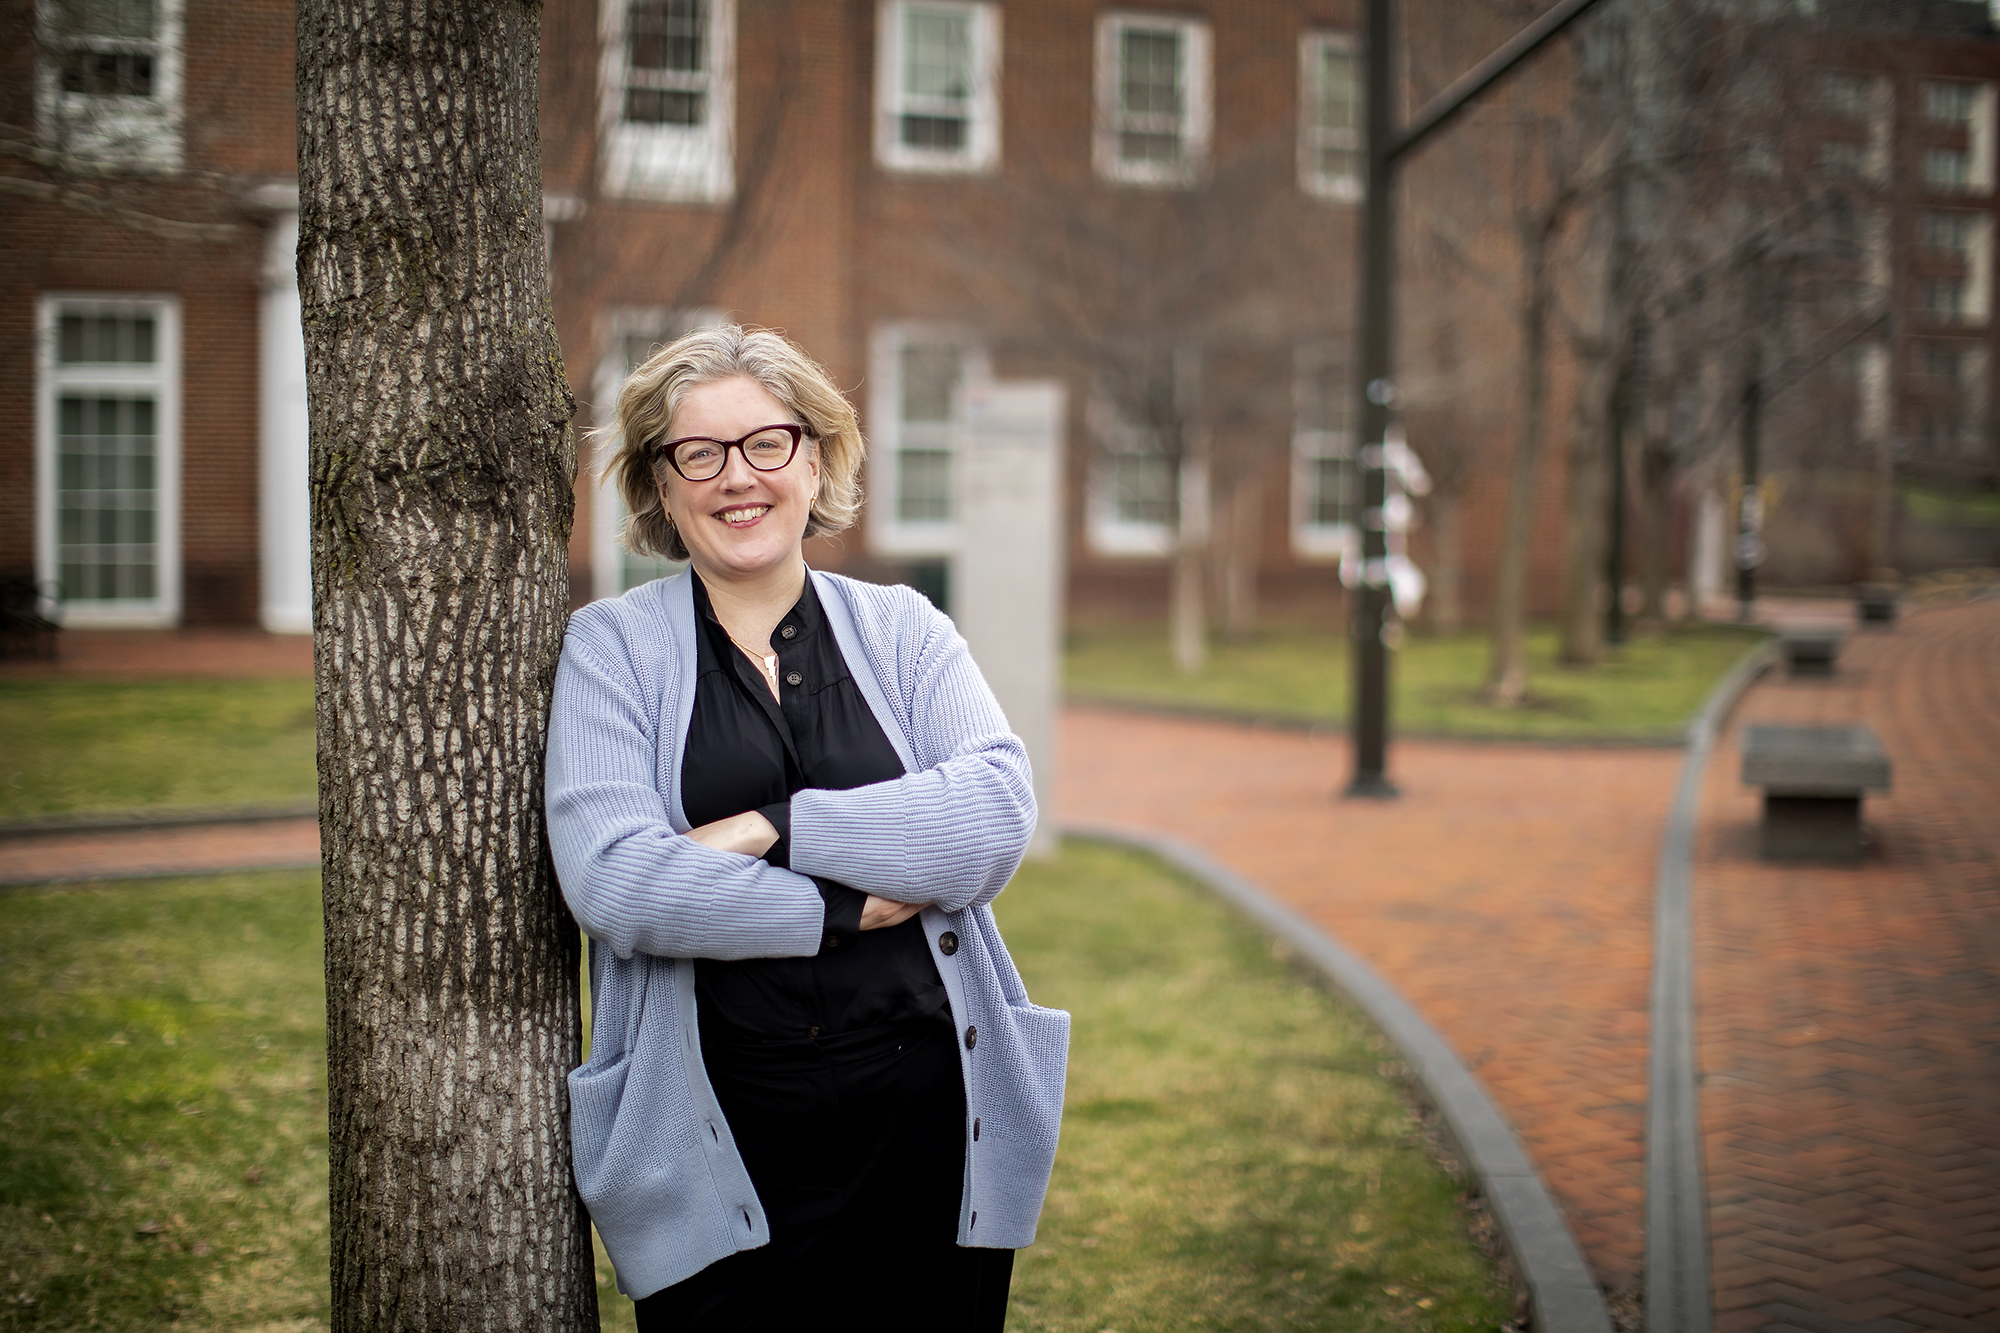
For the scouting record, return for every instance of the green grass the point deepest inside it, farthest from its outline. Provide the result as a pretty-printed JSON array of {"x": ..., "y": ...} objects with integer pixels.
[
  {"x": 1956, "y": 507},
  {"x": 1234, "y": 1155},
  {"x": 85, "y": 745},
  {"x": 1646, "y": 689},
  {"x": 163, "y": 1106}
]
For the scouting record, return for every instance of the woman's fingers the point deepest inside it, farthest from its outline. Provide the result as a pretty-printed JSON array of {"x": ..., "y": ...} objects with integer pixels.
[{"x": 881, "y": 913}]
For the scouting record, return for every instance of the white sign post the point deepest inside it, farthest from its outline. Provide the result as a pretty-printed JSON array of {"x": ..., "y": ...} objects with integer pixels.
[{"x": 1006, "y": 580}]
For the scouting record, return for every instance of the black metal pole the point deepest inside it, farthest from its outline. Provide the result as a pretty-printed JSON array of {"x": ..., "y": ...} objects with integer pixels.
[
  {"x": 1750, "y": 514},
  {"x": 1369, "y": 721},
  {"x": 1371, "y": 594}
]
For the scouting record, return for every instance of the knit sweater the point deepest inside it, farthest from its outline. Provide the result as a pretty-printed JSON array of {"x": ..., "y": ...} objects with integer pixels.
[{"x": 654, "y": 1158}]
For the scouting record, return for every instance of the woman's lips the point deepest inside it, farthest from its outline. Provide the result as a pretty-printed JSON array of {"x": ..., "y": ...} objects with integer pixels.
[{"x": 744, "y": 517}]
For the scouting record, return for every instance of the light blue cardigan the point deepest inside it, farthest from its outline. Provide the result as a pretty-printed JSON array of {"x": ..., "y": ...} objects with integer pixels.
[{"x": 654, "y": 1158}]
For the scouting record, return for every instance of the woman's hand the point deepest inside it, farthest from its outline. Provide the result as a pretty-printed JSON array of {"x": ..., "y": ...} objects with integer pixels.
[
  {"x": 749, "y": 833},
  {"x": 882, "y": 913}
]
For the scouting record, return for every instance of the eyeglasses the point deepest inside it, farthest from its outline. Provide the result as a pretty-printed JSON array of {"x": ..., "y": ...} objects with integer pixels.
[{"x": 699, "y": 458}]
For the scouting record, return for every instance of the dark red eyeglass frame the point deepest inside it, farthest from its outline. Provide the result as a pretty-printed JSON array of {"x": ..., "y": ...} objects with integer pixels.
[{"x": 665, "y": 449}]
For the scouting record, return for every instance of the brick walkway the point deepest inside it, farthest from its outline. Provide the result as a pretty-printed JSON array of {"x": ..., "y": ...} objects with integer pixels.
[
  {"x": 170, "y": 652},
  {"x": 1507, "y": 895},
  {"x": 1850, "y": 1017}
]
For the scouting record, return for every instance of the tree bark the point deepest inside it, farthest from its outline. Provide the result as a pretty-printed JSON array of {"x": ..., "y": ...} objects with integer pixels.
[
  {"x": 1447, "y": 598},
  {"x": 441, "y": 468},
  {"x": 1188, "y": 615},
  {"x": 1507, "y": 675},
  {"x": 1596, "y": 428},
  {"x": 1239, "y": 558}
]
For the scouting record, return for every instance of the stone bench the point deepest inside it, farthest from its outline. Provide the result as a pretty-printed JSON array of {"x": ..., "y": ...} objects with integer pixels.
[
  {"x": 1811, "y": 652},
  {"x": 1814, "y": 779},
  {"x": 1876, "y": 603}
]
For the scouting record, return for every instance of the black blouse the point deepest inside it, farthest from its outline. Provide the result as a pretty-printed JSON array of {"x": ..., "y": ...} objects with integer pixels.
[{"x": 748, "y": 751}]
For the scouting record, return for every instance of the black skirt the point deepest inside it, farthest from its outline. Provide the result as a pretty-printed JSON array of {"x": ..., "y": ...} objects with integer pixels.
[{"x": 856, "y": 1145}]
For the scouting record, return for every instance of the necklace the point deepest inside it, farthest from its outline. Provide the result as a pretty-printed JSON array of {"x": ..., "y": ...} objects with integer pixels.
[{"x": 766, "y": 662}]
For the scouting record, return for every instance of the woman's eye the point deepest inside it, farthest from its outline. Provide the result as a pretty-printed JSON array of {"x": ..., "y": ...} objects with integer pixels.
[
  {"x": 697, "y": 453},
  {"x": 769, "y": 445}
]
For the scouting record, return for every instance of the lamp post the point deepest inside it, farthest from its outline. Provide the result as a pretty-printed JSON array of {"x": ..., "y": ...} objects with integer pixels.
[{"x": 1387, "y": 145}]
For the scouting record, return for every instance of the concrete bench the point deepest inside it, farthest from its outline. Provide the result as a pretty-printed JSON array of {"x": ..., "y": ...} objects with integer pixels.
[
  {"x": 1813, "y": 779},
  {"x": 1876, "y": 603},
  {"x": 1811, "y": 652}
]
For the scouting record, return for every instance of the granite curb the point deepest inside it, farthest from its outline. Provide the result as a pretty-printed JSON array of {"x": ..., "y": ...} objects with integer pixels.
[
  {"x": 1566, "y": 1297},
  {"x": 1679, "y": 1292}
]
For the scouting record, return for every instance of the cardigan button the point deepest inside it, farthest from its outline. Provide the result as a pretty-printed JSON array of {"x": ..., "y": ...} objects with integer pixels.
[
  {"x": 975, "y": 1129},
  {"x": 948, "y": 943},
  {"x": 971, "y": 1038}
]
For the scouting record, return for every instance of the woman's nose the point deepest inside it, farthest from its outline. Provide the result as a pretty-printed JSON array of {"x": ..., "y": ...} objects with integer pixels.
[{"x": 736, "y": 470}]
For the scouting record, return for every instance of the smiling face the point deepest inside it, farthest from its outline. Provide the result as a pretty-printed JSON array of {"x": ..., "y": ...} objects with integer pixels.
[{"x": 741, "y": 524}]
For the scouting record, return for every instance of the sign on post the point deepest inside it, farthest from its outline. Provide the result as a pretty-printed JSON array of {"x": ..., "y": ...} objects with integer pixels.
[{"x": 1006, "y": 584}]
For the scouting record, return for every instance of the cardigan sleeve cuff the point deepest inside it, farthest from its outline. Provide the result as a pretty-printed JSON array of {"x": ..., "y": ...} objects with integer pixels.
[
  {"x": 780, "y": 852},
  {"x": 843, "y": 914}
]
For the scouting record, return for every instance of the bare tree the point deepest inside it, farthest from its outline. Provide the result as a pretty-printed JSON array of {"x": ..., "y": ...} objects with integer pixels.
[
  {"x": 441, "y": 469},
  {"x": 1161, "y": 298}
]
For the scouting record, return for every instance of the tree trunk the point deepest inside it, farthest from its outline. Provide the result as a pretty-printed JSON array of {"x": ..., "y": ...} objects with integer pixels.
[
  {"x": 1447, "y": 593},
  {"x": 1595, "y": 428},
  {"x": 1656, "y": 475},
  {"x": 1507, "y": 676},
  {"x": 441, "y": 467},
  {"x": 1239, "y": 558},
  {"x": 1188, "y": 614}
]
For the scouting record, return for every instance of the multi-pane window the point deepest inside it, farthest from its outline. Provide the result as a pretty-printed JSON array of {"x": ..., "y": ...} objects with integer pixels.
[
  {"x": 1844, "y": 94},
  {"x": 666, "y": 65},
  {"x": 1323, "y": 476},
  {"x": 107, "y": 488},
  {"x": 1948, "y": 233},
  {"x": 631, "y": 336},
  {"x": 1331, "y": 110},
  {"x": 928, "y": 375},
  {"x": 937, "y": 68},
  {"x": 1944, "y": 299},
  {"x": 668, "y": 98},
  {"x": 110, "y": 79},
  {"x": 1948, "y": 169},
  {"x": 1134, "y": 485},
  {"x": 1840, "y": 159},
  {"x": 1950, "y": 102},
  {"x": 919, "y": 377},
  {"x": 1153, "y": 110}
]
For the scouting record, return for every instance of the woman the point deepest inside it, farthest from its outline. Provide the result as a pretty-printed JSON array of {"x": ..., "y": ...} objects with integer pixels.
[{"x": 780, "y": 802}]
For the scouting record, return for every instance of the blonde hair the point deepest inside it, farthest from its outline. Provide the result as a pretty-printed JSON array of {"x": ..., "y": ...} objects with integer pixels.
[{"x": 653, "y": 392}]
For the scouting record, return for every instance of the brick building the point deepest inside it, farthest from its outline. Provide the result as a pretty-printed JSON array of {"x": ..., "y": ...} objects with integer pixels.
[{"x": 1153, "y": 205}]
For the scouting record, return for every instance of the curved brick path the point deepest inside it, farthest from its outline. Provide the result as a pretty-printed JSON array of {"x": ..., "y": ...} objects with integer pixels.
[
  {"x": 1508, "y": 895},
  {"x": 146, "y": 852},
  {"x": 1849, "y": 1018}
]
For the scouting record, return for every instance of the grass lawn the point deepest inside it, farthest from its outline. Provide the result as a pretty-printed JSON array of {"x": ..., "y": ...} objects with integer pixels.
[
  {"x": 75, "y": 746},
  {"x": 1646, "y": 690},
  {"x": 1234, "y": 1156}
]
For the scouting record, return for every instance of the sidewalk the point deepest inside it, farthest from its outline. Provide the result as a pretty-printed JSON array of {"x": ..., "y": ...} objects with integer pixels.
[
  {"x": 1849, "y": 1018},
  {"x": 1507, "y": 895},
  {"x": 144, "y": 853},
  {"x": 169, "y": 652}
]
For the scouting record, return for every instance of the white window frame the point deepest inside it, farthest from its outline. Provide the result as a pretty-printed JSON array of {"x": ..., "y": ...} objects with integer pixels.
[
  {"x": 1108, "y": 531},
  {"x": 137, "y": 133},
  {"x": 607, "y": 506},
  {"x": 1346, "y": 187},
  {"x": 889, "y": 534},
  {"x": 161, "y": 378},
  {"x": 1312, "y": 539},
  {"x": 1196, "y": 122},
  {"x": 669, "y": 163},
  {"x": 981, "y": 150}
]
